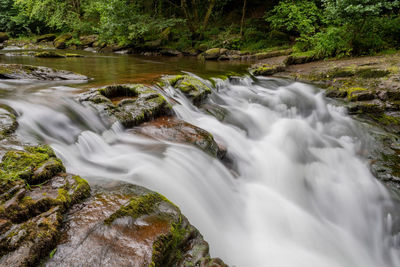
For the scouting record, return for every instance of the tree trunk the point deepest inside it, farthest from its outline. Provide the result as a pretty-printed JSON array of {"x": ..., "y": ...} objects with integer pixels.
[
  {"x": 208, "y": 14},
  {"x": 243, "y": 17},
  {"x": 189, "y": 19}
]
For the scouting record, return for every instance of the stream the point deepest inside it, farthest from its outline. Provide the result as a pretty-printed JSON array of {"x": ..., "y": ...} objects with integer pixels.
[{"x": 297, "y": 190}]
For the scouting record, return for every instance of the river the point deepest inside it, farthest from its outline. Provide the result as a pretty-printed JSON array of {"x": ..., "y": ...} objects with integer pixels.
[{"x": 297, "y": 192}]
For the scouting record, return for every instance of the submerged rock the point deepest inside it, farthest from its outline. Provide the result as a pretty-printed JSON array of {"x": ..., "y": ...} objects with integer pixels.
[
  {"x": 35, "y": 191},
  {"x": 129, "y": 104},
  {"x": 191, "y": 87},
  {"x": 267, "y": 69},
  {"x": 175, "y": 130},
  {"x": 18, "y": 71},
  {"x": 128, "y": 225}
]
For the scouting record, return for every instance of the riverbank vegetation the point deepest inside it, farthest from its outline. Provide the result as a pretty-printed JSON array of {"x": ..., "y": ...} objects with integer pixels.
[{"x": 325, "y": 28}]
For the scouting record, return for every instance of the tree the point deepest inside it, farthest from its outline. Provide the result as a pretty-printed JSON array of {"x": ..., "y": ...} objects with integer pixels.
[{"x": 191, "y": 12}]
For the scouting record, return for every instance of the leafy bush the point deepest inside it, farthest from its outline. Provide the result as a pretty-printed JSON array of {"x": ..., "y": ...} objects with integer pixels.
[{"x": 299, "y": 17}]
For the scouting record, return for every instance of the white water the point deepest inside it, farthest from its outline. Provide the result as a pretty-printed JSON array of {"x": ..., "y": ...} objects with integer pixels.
[{"x": 298, "y": 193}]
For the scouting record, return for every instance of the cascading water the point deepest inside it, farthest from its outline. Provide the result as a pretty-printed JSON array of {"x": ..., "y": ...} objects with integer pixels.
[{"x": 296, "y": 192}]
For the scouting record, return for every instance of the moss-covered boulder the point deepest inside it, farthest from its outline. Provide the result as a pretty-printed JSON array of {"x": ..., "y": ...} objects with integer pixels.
[
  {"x": 213, "y": 53},
  {"x": 174, "y": 130},
  {"x": 130, "y": 226},
  {"x": 301, "y": 58},
  {"x": 49, "y": 54},
  {"x": 46, "y": 38},
  {"x": 88, "y": 40},
  {"x": 274, "y": 53},
  {"x": 266, "y": 69},
  {"x": 35, "y": 192},
  {"x": 18, "y": 71},
  {"x": 129, "y": 104},
  {"x": 367, "y": 107},
  {"x": 3, "y": 37},
  {"x": 61, "y": 41},
  {"x": 191, "y": 87}
]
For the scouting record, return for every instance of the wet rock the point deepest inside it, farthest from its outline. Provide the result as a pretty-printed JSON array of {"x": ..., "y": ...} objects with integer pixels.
[
  {"x": 171, "y": 52},
  {"x": 335, "y": 93},
  {"x": 174, "y": 130},
  {"x": 46, "y": 38},
  {"x": 370, "y": 107},
  {"x": 88, "y": 40},
  {"x": 267, "y": 69},
  {"x": 31, "y": 213},
  {"x": 191, "y": 87},
  {"x": 49, "y": 54},
  {"x": 213, "y": 53},
  {"x": 128, "y": 225},
  {"x": 3, "y": 37},
  {"x": 61, "y": 41},
  {"x": 17, "y": 71},
  {"x": 8, "y": 121},
  {"x": 369, "y": 73},
  {"x": 361, "y": 95},
  {"x": 129, "y": 104}
]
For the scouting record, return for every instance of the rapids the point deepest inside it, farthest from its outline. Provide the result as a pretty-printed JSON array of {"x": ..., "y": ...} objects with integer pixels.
[{"x": 296, "y": 190}]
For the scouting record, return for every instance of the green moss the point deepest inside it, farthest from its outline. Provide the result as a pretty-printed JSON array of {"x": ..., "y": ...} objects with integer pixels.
[
  {"x": 167, "y": 248},
  {"x": 138, "y": 206},
  {"x": 175, "y": 79},
  {"x": 386, "y": 120},
  {"x": 49, "y": 54},
  {"x": 372, "y": 73},
  {"x": 73, "y": 55}
]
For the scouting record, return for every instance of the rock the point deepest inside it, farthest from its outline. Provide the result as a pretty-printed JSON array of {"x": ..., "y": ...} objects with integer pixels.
[
  {"x": 369, "y": 73},
  {"x": 17, "y": 71},
  {"x": 31, "y": 214},
  {"x": 368, "y": 107},
  {"x": 8, "y": 121},
  {"x": 202, "y": 47},
  {"x": 129, "y": 104},
  {"x": 335, "y": 93},
  {"x": 213, "y": 53},
  {"x": 393, "y": 95},
  {"x": 190, "y": 52},
  {"x": 128, "y": 225},
  {"x": 73, "y": 55},
  {"x": 46, "y": 38},
  {"x": 361, "y": 95},
  {"x": 3, "y": 37},
  {"x": 171, "y": 52},
  {"x": 88, "y": 40},
  {"x": 49, "y": 54},
  {"x": 60, "y": 41},
  {"x": 174, "y": 130},
  {"x": 99, "y": 44},
  {"x": 267, "y": 69},
  {"x": 301, "y": 58},
  {"x": 191, "y": 87}
]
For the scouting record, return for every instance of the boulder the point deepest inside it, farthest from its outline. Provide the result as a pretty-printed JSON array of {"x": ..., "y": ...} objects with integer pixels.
[
  {"x": 18, "y": 71},
  {"x": 49, "y": 54},
  {"x": 127, "y": 225},
  {"x": 8, "y": 121},
  {"x": 35, "y": 192},
  {"x": 3, "y": 37},
  {"x": 174, "y": 130},
  {"x": 171, "y": 52},
  {"x": 267, "y": 69},
  {"x": 61, "y": 41},
  {"x": 46, "y": 38},
  {"x": 129, "y": 104},
  {"x": 88, "y": 40},
  {"x": 191, "y": 87},
  {"x": 367, "y": 107},
  {"x": 213, "y": 53}
]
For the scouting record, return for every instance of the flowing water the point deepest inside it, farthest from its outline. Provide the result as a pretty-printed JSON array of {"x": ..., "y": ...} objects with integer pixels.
[{"x": 295, "y": 193}]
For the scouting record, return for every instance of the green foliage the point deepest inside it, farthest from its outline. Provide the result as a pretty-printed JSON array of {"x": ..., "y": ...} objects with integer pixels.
[{"x": 299, "y": 17}]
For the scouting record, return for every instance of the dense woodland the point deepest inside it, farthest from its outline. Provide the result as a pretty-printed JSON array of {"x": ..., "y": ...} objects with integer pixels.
[{"x": 327, "y": 28}]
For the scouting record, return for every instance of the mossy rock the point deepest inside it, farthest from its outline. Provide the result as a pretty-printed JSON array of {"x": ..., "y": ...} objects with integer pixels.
[
  {"x": 49, "y": 54},
  {"x": 3, "y": 37},
  {"x": 191, "y": 87},
  {"x": 213, "y": 53},
  {"x": 31, "y": 213},
  {"x": 46, "y": 38},
  {"x": 129, "y": 104},
  {"x": 73, "y": 55},
  {"x": 266, "y": 69},
  {"x": 61, "y": 41},
  {"x": 367, "y": 107},
  {"x": 18, "y": 71},
  {"x": 88, "y": 40},
  {"x": 8, "y": 121},
  {"x": 369, "y": 73},
  {"x": 138, "y": 226},
  {"x": 301, "y": 58}
]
